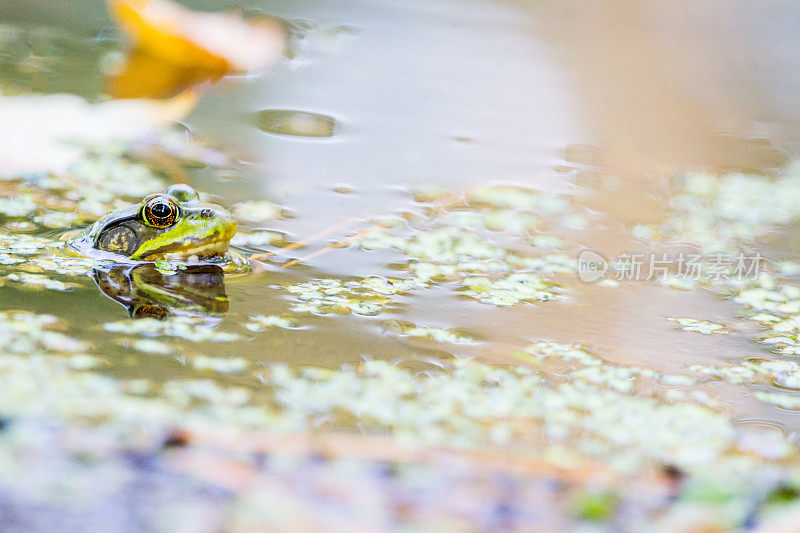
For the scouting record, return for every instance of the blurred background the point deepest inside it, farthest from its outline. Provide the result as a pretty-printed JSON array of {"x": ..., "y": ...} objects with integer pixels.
[{"x": 455, "y": 91}]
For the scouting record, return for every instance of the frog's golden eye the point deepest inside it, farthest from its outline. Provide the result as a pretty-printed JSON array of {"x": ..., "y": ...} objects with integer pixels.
[{"x": 161, "y": 212}]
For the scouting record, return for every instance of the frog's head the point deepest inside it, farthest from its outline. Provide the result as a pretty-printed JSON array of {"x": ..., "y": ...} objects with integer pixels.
[{"x": 173, "y": 225}]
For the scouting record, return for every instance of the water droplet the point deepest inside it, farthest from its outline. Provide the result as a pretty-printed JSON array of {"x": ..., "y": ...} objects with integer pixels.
[{"x": 295, "y": 123}]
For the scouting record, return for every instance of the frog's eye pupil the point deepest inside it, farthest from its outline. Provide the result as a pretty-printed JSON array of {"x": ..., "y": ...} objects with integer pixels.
[
  {"x": 161, "y": 209},
  {"x": 160, "y": 212}
]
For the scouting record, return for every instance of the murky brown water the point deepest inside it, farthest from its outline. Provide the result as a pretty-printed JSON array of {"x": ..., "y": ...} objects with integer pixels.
[
  {"x": 632, "y": 92},
  {"x": 603, "y": 101},
  {"x": 545, "y": 94}
]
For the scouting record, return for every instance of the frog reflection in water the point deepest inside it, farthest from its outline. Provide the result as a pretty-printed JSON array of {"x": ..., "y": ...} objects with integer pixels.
[
  {"x": 175, "y": 225},
  {"x": 147, "y": 292}
]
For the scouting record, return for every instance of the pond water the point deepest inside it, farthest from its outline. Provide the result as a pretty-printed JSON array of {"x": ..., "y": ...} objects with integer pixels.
[{"x": 584, "y": 119}]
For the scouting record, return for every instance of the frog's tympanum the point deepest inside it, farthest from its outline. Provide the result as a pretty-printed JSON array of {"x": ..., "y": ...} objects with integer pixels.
[
  {"x": 173, "y": 225},
  {"x": 147, "y": 292}
]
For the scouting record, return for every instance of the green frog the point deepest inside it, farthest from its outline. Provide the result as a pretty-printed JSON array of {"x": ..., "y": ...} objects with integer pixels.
[{"x": 175, "y": 225}]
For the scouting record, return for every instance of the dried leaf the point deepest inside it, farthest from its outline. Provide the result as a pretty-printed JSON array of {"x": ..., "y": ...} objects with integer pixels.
[{"x": 175, "y": 48}]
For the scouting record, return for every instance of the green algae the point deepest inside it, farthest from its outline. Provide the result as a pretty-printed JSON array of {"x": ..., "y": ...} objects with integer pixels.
[
  {"x": 257, "y": 211},
  {"x": 454, "y": 245},
  {"x": 222, "y": 365},
  {"x": 509, "y": 290},
  {"x": 259, "y": 323},
  {"x": 152, "y": 346},
  {"x": 258, "y": 239},
  {"x": 436, "y": 334},
  {"x": 367, "y": 296},
  {"x": 564, "y": 400},
  {"x": 189, "y": 328},
  {"x": 38, "y": 281},
  {"x": 699, "y": 326},
  {"x": 595, "y": 506},
  {"x": 472, "y": 402},
  {"x": 721, "y": 213},
  {"x": 27, "y": 333}
]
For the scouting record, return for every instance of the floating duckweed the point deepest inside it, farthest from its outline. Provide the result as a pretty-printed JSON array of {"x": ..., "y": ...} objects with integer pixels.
[
  {"x": 510, "y": 290},
  {"x": 20, "y": 226},
  {"x": 548, "y": 241},
  {"x": 437, "y": 334},
  {"x": 22, "y": 244},
  {"x": 575, "y": 221},
  {"x": 257, "y": 211},
  {"x": 458, "y": 406},
  {"x": 186, "y": 392},
  {"x": 43, "y": 254},
  {"x": 676, "y": 380},
  {"x": 735, "y": 374},
  {"x": 785, "y": 401},
  {"x": 84, "y": 362},
  {"x": 6, "y": 259},
  {"x": 787, "y": 268},
  {"x": 546, "y": 264},
  {"x": 222, "y": 365},
  {"x": 25, "y": 333},
  {"x": 645, "y": 233},
  {"x": 677, "y": 282},
  {"x": 152, "y": 346},
  {"x": 18, "y": 206},
  {"x": 457, "y": 247},
  {"x": 257, "y": 239},
  {"x": 566, "y": 352},
  {"x": 39, "y": 281},
  {"x": 261, "y": 322},
  {"x": 699, "y": 326},
  {"x": 520, "y": 198},
  {"x": 770, "y": 300},
  {"x": 58, "y": 219},
  {"x": 168, "y": 268},
  {"x": 508, "y": 220},
  {"x": 599, "y": 371},
  {"x": 66, "y": 266},
  {"x": 80, "y": 396},
  {"x": 96, "y": 184},
  {"x": 618, "y": 378},
  {"x": 718, "y": 213},
  {"x": 138, "y": 387},
  {"x": 189, "y": 328},
  {"x": 107, "y": 176},
  {"x": 595, "y": 506},
  {"x": 727, "y": 214},
  {"x": 785, "y": 374},
  {"x": 449, "y": 245},
  {"x": 367, "y": 296}
]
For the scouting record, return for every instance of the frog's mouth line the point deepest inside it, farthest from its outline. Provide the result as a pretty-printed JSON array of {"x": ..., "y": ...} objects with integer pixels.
[{"x": 206, "y": 248}]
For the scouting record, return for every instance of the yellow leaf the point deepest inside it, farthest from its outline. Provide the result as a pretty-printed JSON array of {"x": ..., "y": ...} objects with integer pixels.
[
  {"x": 146, "y": 76},
  {"x": 216, "y": 42}
]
